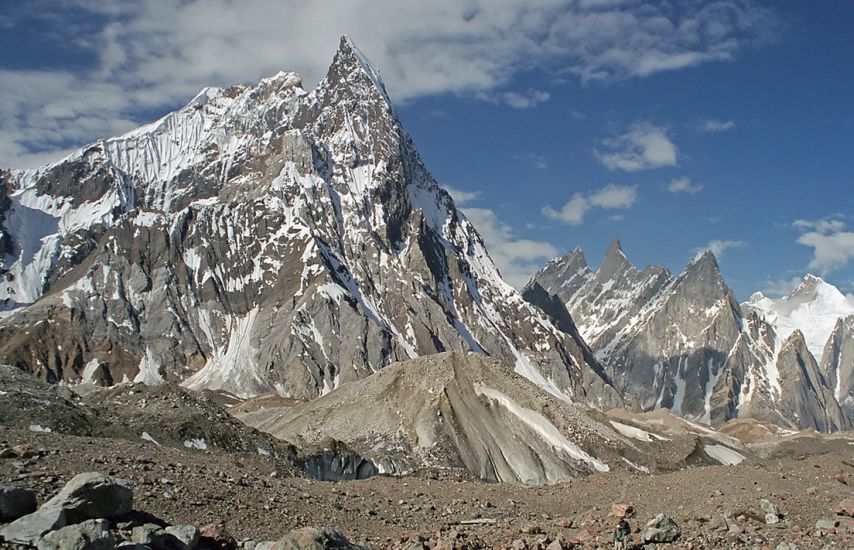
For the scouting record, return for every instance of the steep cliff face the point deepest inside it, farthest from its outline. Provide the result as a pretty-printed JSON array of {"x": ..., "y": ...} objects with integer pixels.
[
  {"x": 837, "y": 364},
  {"x": 686, "y": 344},
  {"x": 262, "y": 238}
]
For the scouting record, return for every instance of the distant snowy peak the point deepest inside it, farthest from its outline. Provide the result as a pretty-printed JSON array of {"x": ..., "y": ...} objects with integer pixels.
[
  {"x": 813, "y": 308},
  {"x": 684, "y": 342}
]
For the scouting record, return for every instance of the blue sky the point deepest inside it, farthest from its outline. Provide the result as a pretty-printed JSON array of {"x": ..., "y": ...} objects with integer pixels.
[{"x": 675, "y": 126}]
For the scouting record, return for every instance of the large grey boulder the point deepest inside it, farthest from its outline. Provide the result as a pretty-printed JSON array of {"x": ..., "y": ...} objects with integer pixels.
[
  {"x": 660, "y": 529},
  {"x": 93, "y": 534},
  {"x": 16, "y": 502},
  {"x": 93, "y": 495},
  {"x": 30, "y": 528}
]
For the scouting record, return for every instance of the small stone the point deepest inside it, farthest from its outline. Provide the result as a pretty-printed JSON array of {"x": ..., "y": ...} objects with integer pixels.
[
  {"x": 24, "y": 451},
  {"x": 825, "y": 524},
  {"x": 772, "y": 519},
  {"x": 769, "y": 507},
  {"x": 845, "y": 508},
  {"x": 519, "y": 544}
]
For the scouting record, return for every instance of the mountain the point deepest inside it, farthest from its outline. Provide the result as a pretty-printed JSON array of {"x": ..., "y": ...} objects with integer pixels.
[
  {"x": 685, "y": 343},
  {"x": 813, "y": 308},
  {"x": 467, "y": 411},
  {"x": 261, "y": 239}
]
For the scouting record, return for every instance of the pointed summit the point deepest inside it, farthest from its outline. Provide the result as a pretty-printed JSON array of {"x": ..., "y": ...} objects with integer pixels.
[
  {"x": 704, "y": 262},
  {"x": 351, "y": 66},
  {"x": 615, "y": 263}
]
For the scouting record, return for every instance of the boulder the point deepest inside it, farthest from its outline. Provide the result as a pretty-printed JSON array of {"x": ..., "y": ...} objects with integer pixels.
[
  {"x": 215, "y": 535},
  {"x": 147, "y": 534},
  {"x": 30, "y": 528},
  {"x": 181, "y": 537},
  {"x": 622, "y": 511},
  {"x": 93, "y": 534},
  {"x": 93, "y": 495},
  {"x": 660, "y": 529},
  {"x": 845, "y": 508},
  {"x": 16, "y": 502},
  {"x": 309, "y": 538},
  {"x": 772, "y": 513},
  {"x": 583, "y": 536}
]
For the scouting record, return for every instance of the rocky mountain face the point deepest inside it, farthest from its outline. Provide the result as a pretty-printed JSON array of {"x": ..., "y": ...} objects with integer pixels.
[
  {"x": 685, "y": 343},
  {"x": 261, "y": 239},
  {"x": 837, "y": 363}
]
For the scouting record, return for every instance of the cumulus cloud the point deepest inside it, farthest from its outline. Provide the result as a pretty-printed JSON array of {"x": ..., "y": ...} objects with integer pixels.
[
  {"x": 831, "y": 241},
  {"x": 516, "y": 258},
  {"x": 717, "y": 247},
  {"x": 824, "y": 226},
  {"x": 610, "y": 197},
  {"x": 643, "y": 147},
  {"x": 830, "y": 251},
  {"x": 712, "y": 126},
  {"x": 684, "y": 185},
  {"x": 139, "y": 59},
  {"x": 461, "y": 198}
]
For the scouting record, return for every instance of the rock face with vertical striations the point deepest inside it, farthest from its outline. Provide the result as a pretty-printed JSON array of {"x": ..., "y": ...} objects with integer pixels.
[
  {"x": 261, "y": 239},
  {"x": 837, "y": 363},
  {"x": 686, "y": 344}
]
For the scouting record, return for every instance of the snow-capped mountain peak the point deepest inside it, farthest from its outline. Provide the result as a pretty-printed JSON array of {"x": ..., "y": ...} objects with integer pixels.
[
  {"x": 262, "y": 238},
  {"x": 813, "y": 308}
]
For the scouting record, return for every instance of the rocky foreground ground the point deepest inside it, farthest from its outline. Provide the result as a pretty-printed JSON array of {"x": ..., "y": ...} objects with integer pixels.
[{"x": 260, "y": 498}]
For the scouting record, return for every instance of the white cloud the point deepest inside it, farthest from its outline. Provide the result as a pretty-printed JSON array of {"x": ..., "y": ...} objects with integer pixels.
[
  {"x": 516, "y": 258},
  {"x": 831, "y": 241},
  {"x": 610, "y": 197},
  {"x": 643, "y": 147},
  {"x": 146, "y": 57},
  {"x": 461, "y": 198},
  {"x": 572, "y": 212},
  {"x": 614, "y": 196},
  {"x": 684, "y": 185},
  {"x": 712, "y": 126},
  {"x": 830, "y": 251},
  {"x": 717, "y": 247},
  {"x": 824, "y": 226}
]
